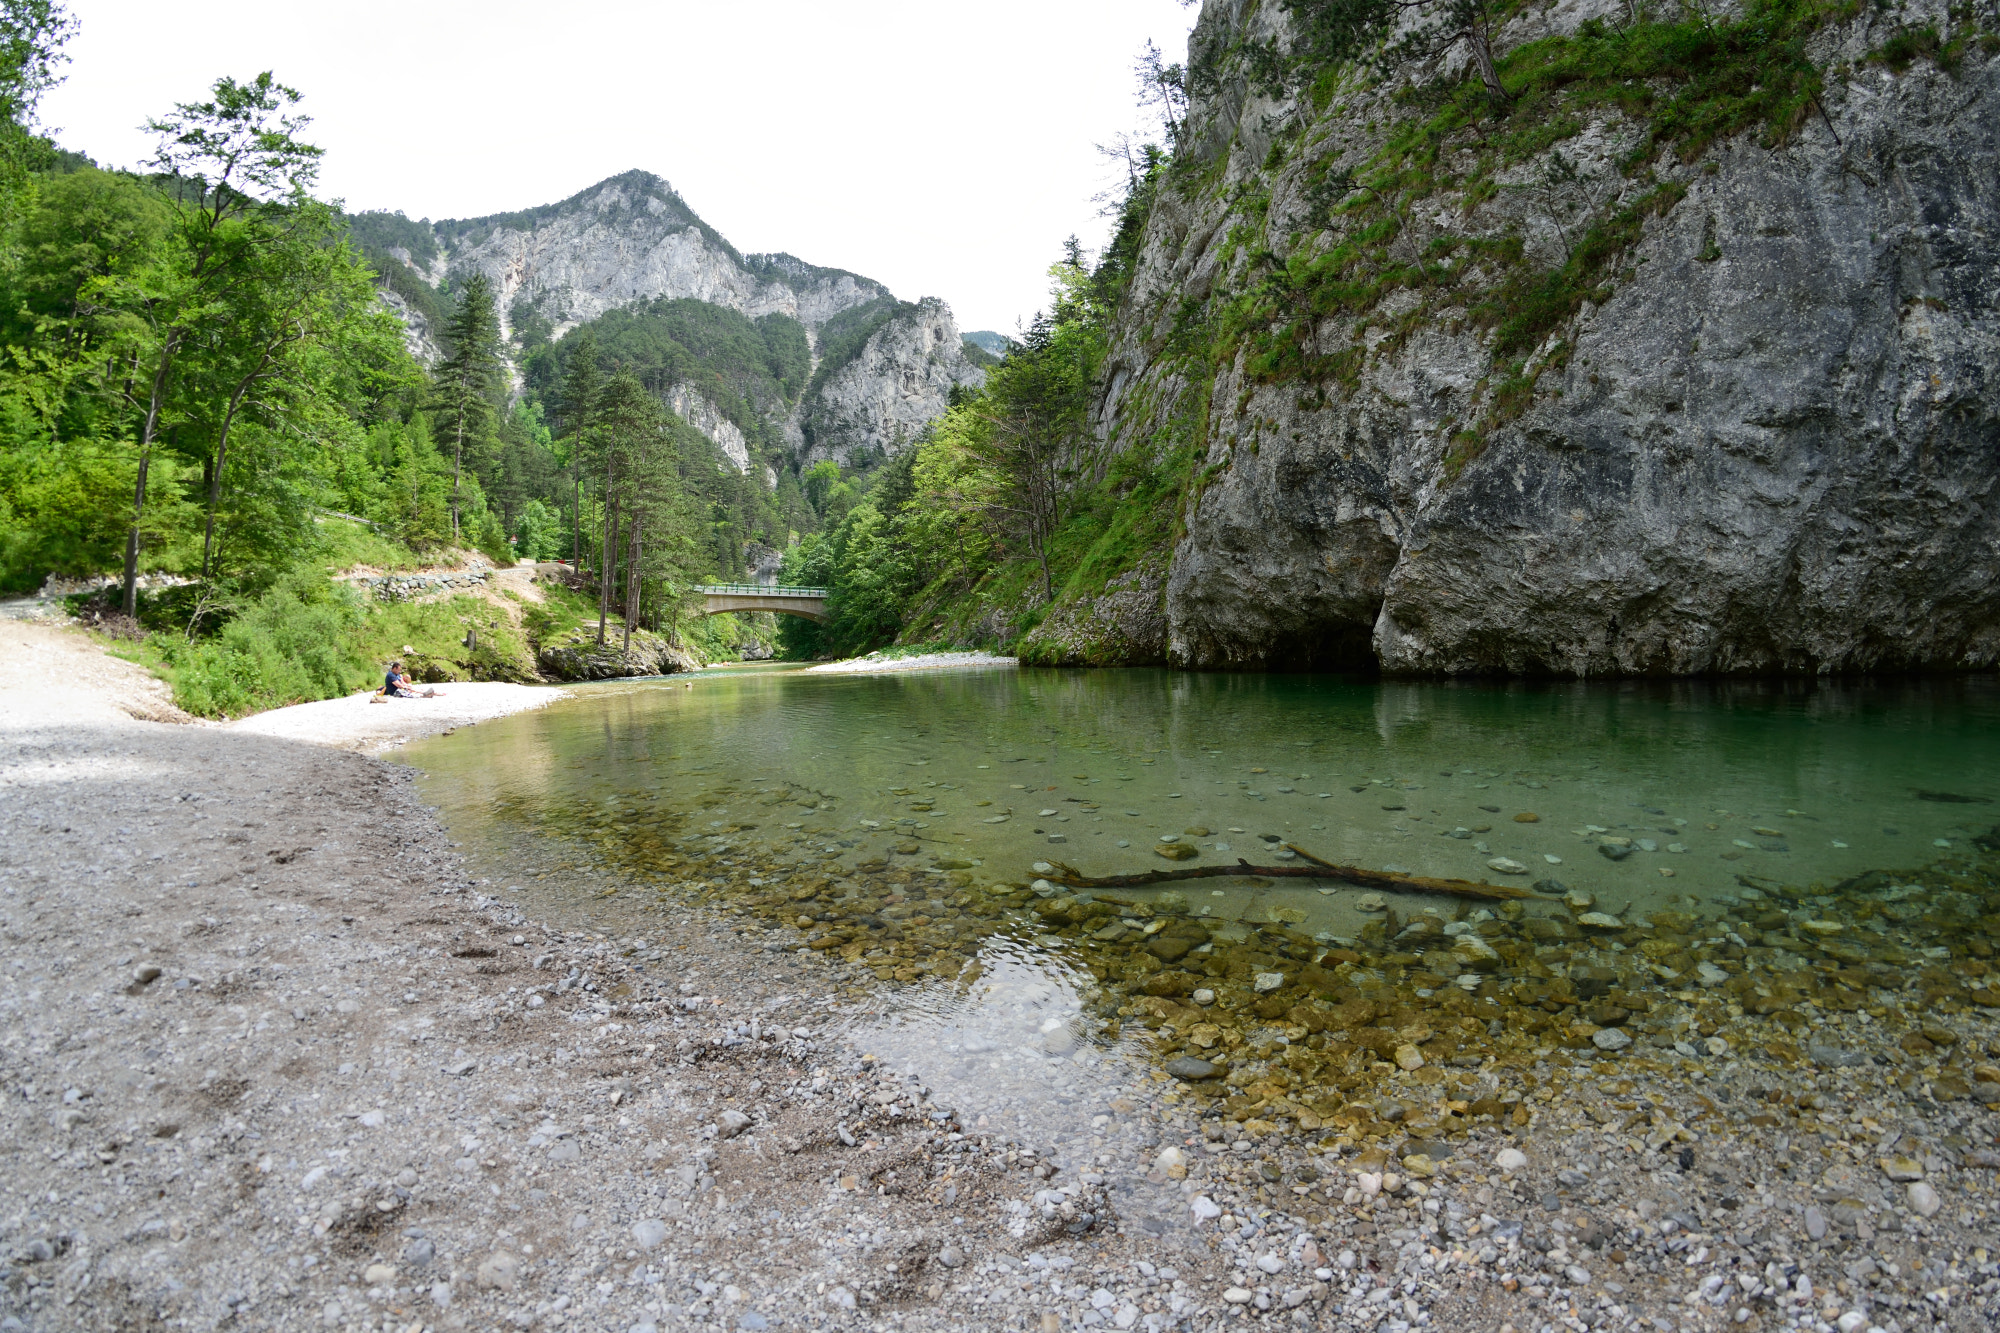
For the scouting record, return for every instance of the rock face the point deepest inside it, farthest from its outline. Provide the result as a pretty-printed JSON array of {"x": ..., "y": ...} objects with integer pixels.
[
  {"x": 650, "y": 655},
  {"x": 898, "y": 384},
  {"x": 631, "y": 238},
  {"x": 1770, "y": 443},
  {"x": 707, "y": 418}
]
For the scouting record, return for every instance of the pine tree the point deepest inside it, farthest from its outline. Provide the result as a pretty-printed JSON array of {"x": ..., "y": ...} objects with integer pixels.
[
  {"x": 581, "y": 397},
  {"x": 465, "y": 382}
]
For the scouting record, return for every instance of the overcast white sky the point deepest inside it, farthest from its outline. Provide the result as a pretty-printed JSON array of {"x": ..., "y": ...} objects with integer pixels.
[{"x": 944, "y": 149}]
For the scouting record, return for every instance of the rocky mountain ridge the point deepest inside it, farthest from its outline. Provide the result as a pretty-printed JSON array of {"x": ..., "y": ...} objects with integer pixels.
[
  {"x": 1562, "y": 387},
  {"x": 632, "y": 239}
]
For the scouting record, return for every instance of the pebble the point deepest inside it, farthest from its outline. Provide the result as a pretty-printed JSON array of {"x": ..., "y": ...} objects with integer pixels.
[
  {"x": 1239, "y": 1295},
  {"x": 1506, "y": 866},
  {"x": 1900, "y": 1169},
  {"x": 649, "y": 1232},
  {"x": 1191, "y": 1069},
  {"x": 1835, "y": 1057},
  {"x": 951, "y": 1256},
  {"x": 1510, "y": 1160},
  {"x": 1611, "y": 1039},
  {"x": 1923, "y": 1198},
  {"x": 1409, "y": 1057},
  {"x": 1204, "y": 1208},
  {"x": 1815, "y": 1224},
  {"x": 378, "y": 1275},
  {"x": 731, "y": 1123},
  {"x": 1267, "y": 982}
]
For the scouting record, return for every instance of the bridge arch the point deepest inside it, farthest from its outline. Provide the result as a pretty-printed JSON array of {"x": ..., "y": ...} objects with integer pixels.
[{"x": 806, "y": 603}]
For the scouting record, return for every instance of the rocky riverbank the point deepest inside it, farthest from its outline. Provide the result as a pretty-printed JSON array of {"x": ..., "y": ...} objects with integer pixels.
[{"x": 276, "y": 1060}]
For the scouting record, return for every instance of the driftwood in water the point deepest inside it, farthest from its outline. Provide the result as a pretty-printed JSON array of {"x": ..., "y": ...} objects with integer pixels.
[{"x": 1318, "y": 869}]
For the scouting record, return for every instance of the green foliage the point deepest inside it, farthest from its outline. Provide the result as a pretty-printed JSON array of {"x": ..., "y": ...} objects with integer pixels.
[
  {"x": 380, "y": 233},
  {"x": 434, "y": 634},
  {"x": 532, "y": 328},
  {"x": 296, "y": 643},
  {"x": 32, "y": 33},
  {"x": 344, "y": 543},
  {"x": 306, "y": 638},
  {"x": 819, "y": 481},
  {"x": 540, "y": 533},
  {"x": 466, "y": 382},
  {"x": 752, "y": 370},
  {"x": 563, "y": 611}
]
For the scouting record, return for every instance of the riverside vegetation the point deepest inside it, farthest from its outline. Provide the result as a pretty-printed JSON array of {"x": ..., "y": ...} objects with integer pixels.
[{"x": 203, "y": 397}]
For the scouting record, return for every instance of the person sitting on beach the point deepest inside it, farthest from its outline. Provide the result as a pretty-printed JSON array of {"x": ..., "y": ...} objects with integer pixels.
[{"x": 396, "y": 685}]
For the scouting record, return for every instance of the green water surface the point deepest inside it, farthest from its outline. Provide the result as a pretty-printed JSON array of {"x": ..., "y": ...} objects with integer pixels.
[{"x": 1704, "y": 783}]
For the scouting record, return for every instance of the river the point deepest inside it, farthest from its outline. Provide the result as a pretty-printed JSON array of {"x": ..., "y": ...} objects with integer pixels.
[{"x": 1689, "y": 850}]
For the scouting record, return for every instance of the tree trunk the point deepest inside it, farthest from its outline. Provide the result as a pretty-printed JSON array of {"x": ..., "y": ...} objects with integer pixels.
[
  {"x": 215, "y": 482},
  {"x": 632, "y": 588},
  {"x": 457, "y": 453},
  {"x": 130, "y": 600},
  {"x": 1482, "y": 56},
  {"x": 604, "y": 568}
]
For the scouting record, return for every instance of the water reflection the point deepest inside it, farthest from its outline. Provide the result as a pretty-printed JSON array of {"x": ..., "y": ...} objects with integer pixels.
[{"x": 1017, "y": 1046}]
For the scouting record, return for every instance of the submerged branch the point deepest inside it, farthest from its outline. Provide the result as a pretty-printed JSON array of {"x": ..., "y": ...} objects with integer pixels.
[{"x": 1318, "y": 869}]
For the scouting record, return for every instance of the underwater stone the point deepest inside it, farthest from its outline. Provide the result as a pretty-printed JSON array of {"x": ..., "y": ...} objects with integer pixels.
[
  {"x": 1611, "y": 1039},
  {"x": 1191, "y": 1069}
]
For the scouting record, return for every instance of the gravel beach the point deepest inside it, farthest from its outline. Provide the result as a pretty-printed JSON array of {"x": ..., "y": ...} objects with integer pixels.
[
  {"x": 875, "y": 664},
  {"x": 273, "y": 1060}
]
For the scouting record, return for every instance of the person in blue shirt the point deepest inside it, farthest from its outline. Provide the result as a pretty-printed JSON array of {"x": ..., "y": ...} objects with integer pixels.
[{"x": 396, "y": 685}]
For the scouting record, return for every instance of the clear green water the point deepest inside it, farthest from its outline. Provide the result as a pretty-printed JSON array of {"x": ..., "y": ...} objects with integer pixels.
[
  {"x": 1793, "y": 783},
  {"x": 895, "y": 822}
]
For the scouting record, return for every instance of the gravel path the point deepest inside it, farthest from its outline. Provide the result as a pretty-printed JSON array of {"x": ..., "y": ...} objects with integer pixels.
[{"x": 272, "y": 1061}]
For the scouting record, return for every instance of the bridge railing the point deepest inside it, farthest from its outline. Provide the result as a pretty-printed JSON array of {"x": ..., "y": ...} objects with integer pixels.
[{"x": 758, "y": 590}]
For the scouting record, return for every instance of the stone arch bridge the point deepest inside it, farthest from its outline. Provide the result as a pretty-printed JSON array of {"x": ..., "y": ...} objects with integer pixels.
[{"x": 807, "y": 603}]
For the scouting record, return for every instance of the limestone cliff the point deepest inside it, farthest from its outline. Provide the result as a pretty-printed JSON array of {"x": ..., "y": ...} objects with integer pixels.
[
  {"x": 707, "y": 418},
  {"x": 1565, "y": 386},
  {"x": 897, "y": 382},
  {"x": 631, "y": 239}
]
